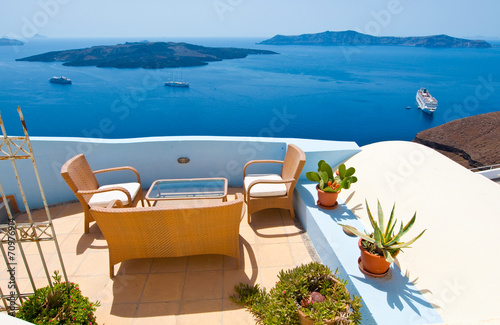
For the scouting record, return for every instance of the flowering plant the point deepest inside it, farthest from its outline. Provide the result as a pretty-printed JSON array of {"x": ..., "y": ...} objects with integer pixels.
[
  {"x": 61, "y": 304},
  {"x": 310, "y": 289},
  {"x": 328, "y": 182}
]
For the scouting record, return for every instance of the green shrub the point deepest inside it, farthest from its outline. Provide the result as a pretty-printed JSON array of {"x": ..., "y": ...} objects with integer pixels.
[
  {"x": 294, "y": 290},
  {"x": 62, "y": 304}
]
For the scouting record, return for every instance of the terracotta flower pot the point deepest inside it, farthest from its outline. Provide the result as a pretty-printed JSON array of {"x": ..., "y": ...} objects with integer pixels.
[
  {"x": 372, "y": 263},
  {"x": 304, "y": 320},
  {"x": 327, "y": 199}
]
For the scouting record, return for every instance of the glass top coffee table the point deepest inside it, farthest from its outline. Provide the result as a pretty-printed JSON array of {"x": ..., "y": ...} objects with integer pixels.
[{"x": 190, "y": 188}]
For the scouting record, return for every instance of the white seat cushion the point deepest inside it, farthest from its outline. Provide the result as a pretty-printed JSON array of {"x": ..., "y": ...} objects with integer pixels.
[
  {"x": 265, "y": 190},
  {"x": 102, "y": 199}
]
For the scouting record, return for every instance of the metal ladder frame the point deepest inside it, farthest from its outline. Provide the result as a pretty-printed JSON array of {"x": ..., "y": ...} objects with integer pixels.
[{"x": 13, "y": 235}]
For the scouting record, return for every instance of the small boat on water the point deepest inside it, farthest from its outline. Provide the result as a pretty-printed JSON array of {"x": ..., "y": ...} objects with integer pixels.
[
  {"x": 60, "y": 80},
  {"x": 181, "y": 84},
  {"x": 425, "y": 101}
]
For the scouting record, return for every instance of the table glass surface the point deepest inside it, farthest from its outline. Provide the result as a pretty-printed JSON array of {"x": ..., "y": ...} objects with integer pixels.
[{"x": 187, "y": 188}]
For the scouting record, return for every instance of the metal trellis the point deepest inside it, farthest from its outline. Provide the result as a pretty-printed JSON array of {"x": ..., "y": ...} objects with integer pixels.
[{"x": 15, "y": 235}]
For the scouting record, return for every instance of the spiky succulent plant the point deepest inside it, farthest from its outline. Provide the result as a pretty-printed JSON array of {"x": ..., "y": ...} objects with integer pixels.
[{"x": 383, "y": 236}]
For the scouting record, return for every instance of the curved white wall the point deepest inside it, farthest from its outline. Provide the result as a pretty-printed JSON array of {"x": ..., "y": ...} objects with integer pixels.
[{"x": 454, "y": 261}]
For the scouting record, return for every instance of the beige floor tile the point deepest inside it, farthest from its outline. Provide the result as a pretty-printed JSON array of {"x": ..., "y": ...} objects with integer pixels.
[
  {"x": 270, "y": 234},
  {"x": 201, "y": 306},
  {"x": 248, "y": 234},
  {"x": 7, "y": 286},
  {"x": 161, "y": 287},
  {"x": 35, "y": 265},
  {"x": 268, "y": 217},
  {"x": 300, "y": 254},
  {"x": 75, "y": 243},
  {"x": 47, "y": 247},
  {"x": 116, "y": 314},
  {"x": 236, "y": 314},
  {"x": 234, "y": 277},
  {"x": 95, "y": 263},
  {"x": 163, "y": 313},
  {"x": 203, "y": 285},
  {"x": 71, "y": 209},
  {"x": 205, "y": 263},
  {"x": 21, "y": 218},
  {"x": 36, "y": 215},
  {"x": 124, "y": 289},
  {"x": 269, "y": 276},
  {"x": 230, "y": 263},
  {"x": 294, "y": 233},
  {"x": 91, "y": 287},
  {"x": 135, "y": 266},
  {"x": 184, "y": 290},
  {"x": 55, "y": 210},
  {"x": 200, "y": 312},
  {"x": 98, "y": 243},
  {"x": 248, "y": 259},
  {"x": 274, "y": 255},
  {"x": 65, "y": 225},
  {"x": 94, "y": 230},
  {"x": 204, "y": 318},
  {"x": 169, "y": 264},
  {"x": 71, "y": 263},
  {"x": 287, "y": 218}
]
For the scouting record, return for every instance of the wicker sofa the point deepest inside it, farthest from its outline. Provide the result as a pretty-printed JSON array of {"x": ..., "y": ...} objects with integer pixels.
[{"x": 210, "y": 227}]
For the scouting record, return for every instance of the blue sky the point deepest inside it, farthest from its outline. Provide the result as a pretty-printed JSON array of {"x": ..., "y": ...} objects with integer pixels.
[{"x": 248, "y": 18}]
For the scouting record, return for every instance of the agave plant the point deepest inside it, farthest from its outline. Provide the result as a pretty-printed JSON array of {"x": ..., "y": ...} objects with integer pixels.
[
  {"x": 328, "y": 182},
  {"x": 383, "y": 236}
]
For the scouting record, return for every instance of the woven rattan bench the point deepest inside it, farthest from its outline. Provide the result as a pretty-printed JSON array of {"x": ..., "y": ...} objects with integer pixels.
[{"x": 171, "y": 231}]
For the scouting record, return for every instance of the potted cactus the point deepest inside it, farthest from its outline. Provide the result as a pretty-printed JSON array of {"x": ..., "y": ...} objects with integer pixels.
[
  {"x": 379, "y": 248},
  {"x": 330, "y": 184}
]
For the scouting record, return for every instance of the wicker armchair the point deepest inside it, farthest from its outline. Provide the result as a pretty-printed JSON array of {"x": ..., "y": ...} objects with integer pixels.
[
  {"x": 265, "y": 191},
  {"x": 82, "y": 181},
  {"x": 171, "y": 231}
]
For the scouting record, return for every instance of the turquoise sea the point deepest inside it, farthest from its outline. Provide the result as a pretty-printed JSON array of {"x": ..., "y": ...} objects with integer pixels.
[{"x": 356, "y": 94}]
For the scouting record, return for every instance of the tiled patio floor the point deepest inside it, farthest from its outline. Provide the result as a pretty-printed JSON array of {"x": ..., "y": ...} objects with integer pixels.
[{"x": 187, "y": 290}]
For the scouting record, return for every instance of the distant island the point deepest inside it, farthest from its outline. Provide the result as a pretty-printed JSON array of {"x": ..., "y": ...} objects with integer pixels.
[
  {"x": 351, "y": 37},
  {"x": 38, "y": 36},
  {"x": 146, "y": 55},
  {"x": 9, "y": 42}
]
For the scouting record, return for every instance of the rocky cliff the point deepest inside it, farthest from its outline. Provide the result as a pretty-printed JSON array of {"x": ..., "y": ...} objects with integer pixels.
[
  {"x": 472, "y": 141},
  {"x": 147, "y": 55},
  {"x": 354, "y": 38}
]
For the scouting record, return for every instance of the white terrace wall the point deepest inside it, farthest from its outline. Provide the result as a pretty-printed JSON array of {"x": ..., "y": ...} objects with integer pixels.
[{"x": 155, "y": 158}]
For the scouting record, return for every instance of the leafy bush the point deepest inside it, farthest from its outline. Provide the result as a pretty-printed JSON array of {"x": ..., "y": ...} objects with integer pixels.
[
  {"x": 62, "y": 304},
  {"x": 310, "y": 288}
]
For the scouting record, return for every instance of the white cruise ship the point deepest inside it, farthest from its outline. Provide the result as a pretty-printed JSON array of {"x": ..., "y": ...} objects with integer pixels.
[
  {"x": 181, "y": 84},
  {"x": 425, "y": 101},
  {"x": 60, "y": 80}
]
